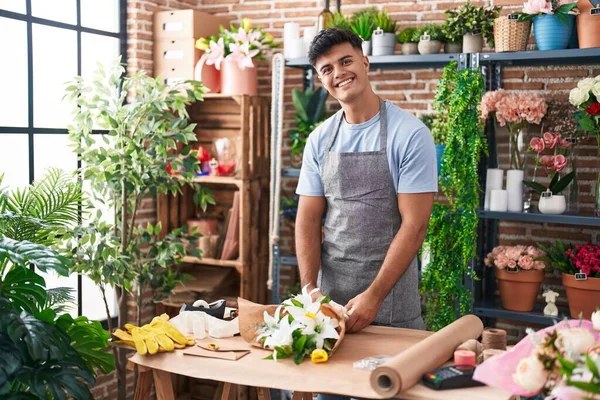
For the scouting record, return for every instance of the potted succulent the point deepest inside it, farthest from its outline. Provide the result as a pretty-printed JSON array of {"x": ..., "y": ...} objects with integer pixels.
[
  {"x": 384, "y": 39},
  {"x": 453, "y": 37},
  {"x": 553, "y": 22},
  {"x": 409, "y": 39},
  {"x": 580, "y": 268},
  {"x": 475, "y": 23},
  {"x": 520, "y": 273},
  {"x": 431, "y": 39},
  {"x": 363, "y": 24}
]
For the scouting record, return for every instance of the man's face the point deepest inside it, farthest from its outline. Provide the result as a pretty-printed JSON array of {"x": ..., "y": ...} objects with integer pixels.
[{"x": 343, "y": 72}]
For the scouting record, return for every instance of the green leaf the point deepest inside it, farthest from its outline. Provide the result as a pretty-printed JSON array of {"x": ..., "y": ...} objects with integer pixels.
[
  {"x": 554, "y": 179},
  {"x": 24, "y": 252},
  {"x": 585, "y": 386},
  {"x": 298, "y": 358},
  {"x": 535, "y": 186},
  {"x": 325, "y": 299},
  {"x": 298, "y": 344},
  {"x": 10, "y": 362},
  {"x": 562, "y": 183},
  {"x": 296, "y": 303},
  {"x": 592, "y": 366},
  {"x": 57, "y": 377},
  {"x": 25, "y": 289}
]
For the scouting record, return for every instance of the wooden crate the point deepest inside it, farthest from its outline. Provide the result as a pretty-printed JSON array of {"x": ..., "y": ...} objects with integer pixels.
[{"x": 244, "y": 120}]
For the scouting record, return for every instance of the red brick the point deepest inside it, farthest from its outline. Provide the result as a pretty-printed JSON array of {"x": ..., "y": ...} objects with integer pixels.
[
  {"x": 413, "y": 106},
  {"x": 207, "y": 2},
  {"x": 428, "y": 74},
  {"x": 401, "y": 76},
  {"x": 557, "y": 234},
  {"x": 512, "y": 230},
  {"x": 296, "y": 4},
  {"x": 393, "y": 97},
  {"x": 512, "y": 74},
  {"x": 401, "y": 86},
  {"x": 557, "y": 73},
  {"x": 433, "y": 17},
  {"x": 523, "y": 85},
  {"x": 561, "y": 86},
  {"x": 422, "y": 96},
  {"x": 408, "y": 7},
  {"x": 251, "y": 7}
]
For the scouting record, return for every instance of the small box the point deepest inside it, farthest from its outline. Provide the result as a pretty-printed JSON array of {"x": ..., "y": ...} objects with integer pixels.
[
  {"x": 187, "y": 24},
  {"x": 175, "y": 73},
  {"x": 175, "y": 52}
]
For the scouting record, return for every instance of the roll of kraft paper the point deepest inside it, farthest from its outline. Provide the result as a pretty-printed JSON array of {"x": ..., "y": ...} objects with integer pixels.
[{"x": 406, "y": 369}]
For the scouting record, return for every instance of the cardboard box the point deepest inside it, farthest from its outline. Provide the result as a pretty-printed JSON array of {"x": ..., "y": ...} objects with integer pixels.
[
  {"x": 187, "y": 24},
  {"x": 175, "y": 52},
  {"x": 175, "y": 73}
]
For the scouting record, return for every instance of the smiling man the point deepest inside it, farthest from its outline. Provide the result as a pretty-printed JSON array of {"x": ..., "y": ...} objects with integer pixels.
[{"x": 370, "y": 169}]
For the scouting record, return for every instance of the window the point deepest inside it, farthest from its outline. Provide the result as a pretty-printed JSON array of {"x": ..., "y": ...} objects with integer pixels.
[{"x": 44, "y": 44}]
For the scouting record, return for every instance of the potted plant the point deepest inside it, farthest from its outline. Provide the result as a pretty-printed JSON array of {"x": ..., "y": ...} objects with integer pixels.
[
  {"x": 384, "y": 38},
  {"x": 475, "y": 23},
  {"x": 553, "y": 22},
  {"x": 580, "y": 268},
  {"x": 453, "y": 35},
  {"x": 145, "y": 121},
  {"x": 363, "y": 24},
  {"x": 339, "y": 21},
  {"x": 431, "y": 39},
  {"x": 288, "y": 210},
  {"x": 551, "y": 201},
  {"x": 310, "y": 112},
  {"x": 409, "y": 39},
  {"x": 510, "y": 34},
  {"x": 233, "y": 52},
  {"x": 519, "y": 273},
  {"x": 586, "y": 97},
  {"x": 588, "y": 25},
  {"x": 46, "y": 352}
]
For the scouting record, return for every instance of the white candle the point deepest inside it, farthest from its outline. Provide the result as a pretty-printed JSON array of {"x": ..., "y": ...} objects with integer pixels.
[
  {"x": 297, "y": 48},
  {"x": 309, "y": 33},
  {"x": 514, "y": 187},
  {"x": 291, "y": 31},
  {"x": 494, "y": 177},
  {"x": 498, "y": 200}
]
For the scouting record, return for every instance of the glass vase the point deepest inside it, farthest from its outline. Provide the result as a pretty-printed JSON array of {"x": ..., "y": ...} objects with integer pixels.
[
  {"x": 571, "y": 192},
  {"x": 521, "y": 159}
]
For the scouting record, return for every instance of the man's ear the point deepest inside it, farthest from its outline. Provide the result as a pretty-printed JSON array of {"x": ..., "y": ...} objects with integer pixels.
[{"x": 366, "y": 63}]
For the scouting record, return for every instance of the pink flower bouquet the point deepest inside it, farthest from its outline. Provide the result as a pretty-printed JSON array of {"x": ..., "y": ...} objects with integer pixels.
[
  {"x": 241, "y": 44},
  {"x": 522, "y": 257},
  {"x": 554, "y": 163},
  {"x": 515, "y": 109},
  {"x": 561, "y": 361}
]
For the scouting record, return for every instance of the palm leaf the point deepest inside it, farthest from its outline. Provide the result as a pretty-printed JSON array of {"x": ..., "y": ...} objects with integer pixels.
[
  {"x": 23, "y": 253},
  {"x": 59, "y": 299},
  {"x": 24, "y": 288}
]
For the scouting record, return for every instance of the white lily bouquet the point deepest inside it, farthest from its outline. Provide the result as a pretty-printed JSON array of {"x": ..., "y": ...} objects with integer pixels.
[{"x": 298, "y": 328}]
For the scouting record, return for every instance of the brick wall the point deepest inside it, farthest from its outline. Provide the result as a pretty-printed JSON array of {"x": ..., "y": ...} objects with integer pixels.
[{"x": 410, "y": 89}]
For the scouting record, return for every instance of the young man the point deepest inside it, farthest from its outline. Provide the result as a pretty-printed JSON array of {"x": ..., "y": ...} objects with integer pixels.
[{"x": 371, "y": 170}]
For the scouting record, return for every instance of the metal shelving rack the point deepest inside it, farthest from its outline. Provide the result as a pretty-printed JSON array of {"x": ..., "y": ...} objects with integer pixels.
[{"x": 491, "y": 65}]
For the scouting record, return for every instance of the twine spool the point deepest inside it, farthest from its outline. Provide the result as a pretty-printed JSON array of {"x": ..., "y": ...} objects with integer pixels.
[
  {"x": 474, "y": 346},
  {"x": 493, "y": 339},
  {"x": 489, "y": 353}
]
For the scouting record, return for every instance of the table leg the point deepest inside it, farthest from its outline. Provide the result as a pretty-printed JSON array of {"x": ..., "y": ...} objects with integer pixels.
[
  {"x": 302, "y": 396},
  {"x": 229, "y": 391},
  {"x": 144, "y": 385},
  {"x": 163, "y": 385},
  {"x": 263, "y": 393}
]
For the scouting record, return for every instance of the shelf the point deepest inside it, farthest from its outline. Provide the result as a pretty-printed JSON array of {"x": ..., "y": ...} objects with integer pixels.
[
  {"x": 291, "y": 172},
  {"x": 393, "y": 61},
  {"x": 543, "y": 58},
  {"x": 288, "y": 260},
  {"x": 212, "y": 261},
  {"x": 224, "y": 180},
  {"x": 537, "y": 217},
  {"x": 495, "y": 310}
]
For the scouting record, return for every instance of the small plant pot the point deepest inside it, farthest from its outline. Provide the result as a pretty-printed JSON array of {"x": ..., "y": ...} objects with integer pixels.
[
  {"x": 588, "y": 25},
  {"x": 409, "y": 48},
  {"x": 453, "y": 47},
  {"x": 554, "y": 205},
  {"x": 583, "y": 295},
  {"x": 472, "y": 43},
  {"x": 550, "y": 33},
  {"x": 429, "y": 46},
  {"x": 519, "y": 290},
  {"x": 383, "y": 44},
  {"x": 366, "y": 47}
]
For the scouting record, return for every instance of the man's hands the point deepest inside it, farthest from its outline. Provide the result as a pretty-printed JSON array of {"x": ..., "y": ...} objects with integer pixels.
[{"x": 362, "y": 310}]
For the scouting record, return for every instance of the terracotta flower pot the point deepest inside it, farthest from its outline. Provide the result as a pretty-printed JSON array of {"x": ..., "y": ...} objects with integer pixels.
[
  {"x": 583, "y": 296},
  {"x": 588, "y": 25},
  {"x": 238, "y": 81},
  {"x": 519, "y": 290},
  {"x": 209, "y": 75}
]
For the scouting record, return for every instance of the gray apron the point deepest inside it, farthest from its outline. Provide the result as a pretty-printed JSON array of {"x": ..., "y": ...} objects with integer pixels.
[{"x": 361, "y": 221}]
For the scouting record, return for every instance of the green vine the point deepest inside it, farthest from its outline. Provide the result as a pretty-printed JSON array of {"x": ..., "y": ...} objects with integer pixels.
[{"x": 451, "y": 236}]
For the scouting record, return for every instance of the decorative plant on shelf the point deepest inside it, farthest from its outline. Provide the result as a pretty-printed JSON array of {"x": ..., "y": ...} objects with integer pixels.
[
  {"x": 560, "y": 9},
  {"x": 310, "y": 112},
  {"x": 471, "y": 19},
  {"x": 573, "y": 259},
  {"x": 434, "y": 31},
  {"x": 363, "y": 24},
  {"x": 453, "y": 32},
  {"x": 129, "y": 164},
  {"x": 451, "y": 234},
  {"x": 44, "y": 355},
  {"x": 384, "y": 22},
  {"x": 409, "y": 35},
  {"x": 340, "y": 21}
]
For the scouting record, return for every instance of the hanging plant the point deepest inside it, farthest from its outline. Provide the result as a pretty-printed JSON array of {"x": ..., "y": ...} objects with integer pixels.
[{"x": 452, "y": 231}]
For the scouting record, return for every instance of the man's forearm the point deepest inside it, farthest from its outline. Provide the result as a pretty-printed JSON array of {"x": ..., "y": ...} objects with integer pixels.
[
  {"x": 402, "y": 251},
  {"x": 308, "y": 250}
]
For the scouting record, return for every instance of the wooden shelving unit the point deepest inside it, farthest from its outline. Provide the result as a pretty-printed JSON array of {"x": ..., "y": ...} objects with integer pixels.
[{"x": 245, "y": 121}]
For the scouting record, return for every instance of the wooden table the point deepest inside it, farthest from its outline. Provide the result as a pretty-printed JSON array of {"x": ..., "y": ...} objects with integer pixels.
[{"x": 336, "y": 376}]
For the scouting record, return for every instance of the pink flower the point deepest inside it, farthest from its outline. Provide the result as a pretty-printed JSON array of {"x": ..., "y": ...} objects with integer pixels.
[
  {"x": 501, "y": 262},
  {"x": 534, "y": 252},
  {"x": 539, "y": 265},
  {"x": 511, "y": 264},
  {"x": 242, "y": 54},
  {"x": 489, "y": 101},
  {"x": 546, "y": 161},
  {"x": 526, "y": 262},
  {"x": 551, "y": 140},
  {"x": 216, "y": 53},
  {"x": 513, "y": 253},
  {"x": 564, "y": 144},
  {"x": 560, "y": 162},
  {"x": 537, "y": 144},
  {"x": 251, "y": 37},
  {"x": 537, "y": 6}
]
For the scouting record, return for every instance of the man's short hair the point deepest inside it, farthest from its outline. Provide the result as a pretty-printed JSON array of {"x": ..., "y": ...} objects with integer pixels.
[{"x": 328, "y": 38}]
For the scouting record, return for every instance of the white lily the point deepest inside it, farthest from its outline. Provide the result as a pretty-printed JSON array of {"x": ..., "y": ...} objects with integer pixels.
[
  {"x": 322, "y": 326},
  {"x": 281, "y": 336}
]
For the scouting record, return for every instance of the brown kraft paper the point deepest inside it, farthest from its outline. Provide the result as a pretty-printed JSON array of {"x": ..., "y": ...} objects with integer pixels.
[{"x": 406, "y": 369}]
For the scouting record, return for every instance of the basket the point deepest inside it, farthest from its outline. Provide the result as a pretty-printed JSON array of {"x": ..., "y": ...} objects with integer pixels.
[{"x": 510, "y": 34}]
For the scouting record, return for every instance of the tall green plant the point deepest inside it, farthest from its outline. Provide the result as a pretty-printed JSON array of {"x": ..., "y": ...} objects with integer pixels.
[
  {"x": 363, "y": 24},
  {"x": 44, "y": 355},
  {"x": 384, "y": 21},
  {"x": 452, "y": 231},
  {"x": 129, "y": 164},
  {"x": 310, "y": 112}
]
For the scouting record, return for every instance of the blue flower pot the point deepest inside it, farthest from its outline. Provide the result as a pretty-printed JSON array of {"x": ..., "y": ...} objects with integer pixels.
[
  {"x": 439, "y": 152},
  {"x": 574, "y": 40},
  {"x": 551, "y": 33}
]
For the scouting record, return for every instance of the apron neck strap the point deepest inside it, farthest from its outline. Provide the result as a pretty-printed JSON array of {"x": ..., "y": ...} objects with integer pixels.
[{"x": 382, "y": 127}]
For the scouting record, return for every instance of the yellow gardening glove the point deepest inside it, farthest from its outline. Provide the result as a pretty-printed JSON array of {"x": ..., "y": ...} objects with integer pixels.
[{"x": 164, "y": 327}]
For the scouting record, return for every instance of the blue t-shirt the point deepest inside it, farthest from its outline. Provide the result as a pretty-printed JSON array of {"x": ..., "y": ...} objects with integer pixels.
[{"x": 410, "y": 151}]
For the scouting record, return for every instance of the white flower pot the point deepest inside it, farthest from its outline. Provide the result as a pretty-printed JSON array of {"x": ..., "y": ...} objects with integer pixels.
[
  {"x": 554, "y": 204},
  {"x": 366, "y": 47},
  {"x": 383, "y": 43}
]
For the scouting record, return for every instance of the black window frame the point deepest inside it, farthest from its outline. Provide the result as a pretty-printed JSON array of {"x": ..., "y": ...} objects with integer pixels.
[{"x": 30, "y": 130}]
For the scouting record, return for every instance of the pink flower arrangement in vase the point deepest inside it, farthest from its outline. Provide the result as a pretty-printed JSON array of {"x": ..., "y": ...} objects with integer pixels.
[
  {"x": 516, "y": 110},
  {"x": 515, "y": 258},
  {"x": 553, "y": 164}
]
